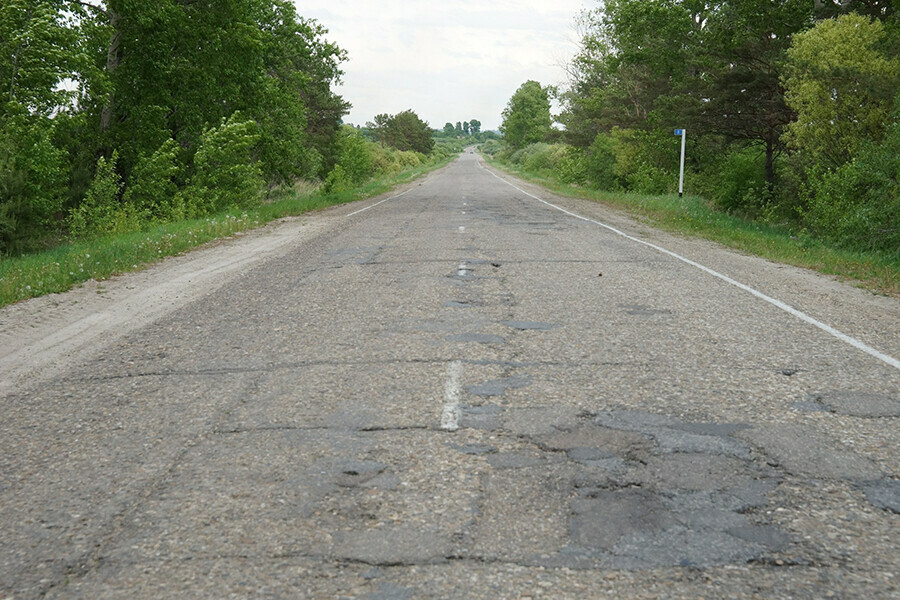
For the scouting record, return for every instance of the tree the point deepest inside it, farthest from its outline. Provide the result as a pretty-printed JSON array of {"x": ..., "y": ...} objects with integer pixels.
[
  {"x": 475, "y": 126},
  {"x": 842, "y": 86},
  {"x": 406, "y": 131},
  {"x": 153, "y": 83},
  {"x": 466, "y": 128},
  {"x": 37, "y": 52},
  {"x": 449, "y": 130},
  {"x": 526, "y": 118},
  {"x": 737, "y": 90},
  {"x": 459, "y": 129},
  {"x": 379, "y": 128},
  {"x": 225, "y": 174}
]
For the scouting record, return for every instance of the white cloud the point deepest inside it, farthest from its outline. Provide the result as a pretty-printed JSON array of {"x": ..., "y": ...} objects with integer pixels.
[{"x": 450, "y": 61}]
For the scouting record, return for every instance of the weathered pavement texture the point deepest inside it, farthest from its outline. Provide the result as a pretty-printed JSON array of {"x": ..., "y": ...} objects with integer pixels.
[{"x": 462, "y": 392}]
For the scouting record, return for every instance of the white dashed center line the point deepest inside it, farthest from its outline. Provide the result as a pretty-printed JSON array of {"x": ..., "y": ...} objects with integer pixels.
[{"x": 452, "y": 394}]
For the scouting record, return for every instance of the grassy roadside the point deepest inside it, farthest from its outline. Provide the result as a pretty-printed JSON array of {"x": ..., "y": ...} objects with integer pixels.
[
  {"x": 878, "y": 272},
  {"x": 64, "y": 267}
]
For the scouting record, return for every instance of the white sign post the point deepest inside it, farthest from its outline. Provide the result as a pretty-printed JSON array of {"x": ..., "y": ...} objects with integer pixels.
[{"x": 683, "y": 134}]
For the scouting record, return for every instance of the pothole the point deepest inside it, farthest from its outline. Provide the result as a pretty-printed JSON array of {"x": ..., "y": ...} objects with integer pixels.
[
  {"x": 649, "y": 491},
  {"x": 860, "y": 404}
]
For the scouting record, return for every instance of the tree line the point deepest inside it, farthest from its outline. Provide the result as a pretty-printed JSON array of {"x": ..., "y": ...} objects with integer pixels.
[
  {"x": 116, "y": 115},
  {"x": 791, "y": 107}
]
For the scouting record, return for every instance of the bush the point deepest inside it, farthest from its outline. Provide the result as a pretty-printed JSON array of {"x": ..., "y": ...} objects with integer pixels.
[
  {"x": 337, "y": 181},
  {"x": 492, "y": 147},
  {"x": 152, "y": 192},
  {"x": 225, "y": 174},
  {"x": 354, "y": 156},
  {"x": 739, "y": 182},
  {"x": 572, "y": 166},
  {"x": 600, "y": 163},
  {"x": 31, "y": 180},
  {"x": 642, "y": 161},
  {"x": 354, "y": 165},
  {"x": 101, "y": 212},
  {"x": 858, "y": 205}
]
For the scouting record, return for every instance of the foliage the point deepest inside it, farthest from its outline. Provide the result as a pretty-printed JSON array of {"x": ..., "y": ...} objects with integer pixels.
[
  {"x": 842, "y": 85},
  {"x": 152, "y": 191},
  {"x": 858, "y": 204},
  {"x": 32, "y": 179},
  {"x": 37, "y": 52},
  {"x": 153, "y": 88},
  {"x": 492, "y": 147},
  {"x": 225, "y": 175},
  {"x": 354, "y": 165},
  {"x": 779, "y": 107},
  {"x": 736, "y": 182},
  {"x": 403, "y": 131},
  {"x": 600, "y": 162},
  {"x": 526, "y": 118},
  {"x": 101, "y": 212}
]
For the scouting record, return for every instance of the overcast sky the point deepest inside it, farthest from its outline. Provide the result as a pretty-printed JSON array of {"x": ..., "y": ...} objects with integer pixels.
[{"x": 448, "y": 60}]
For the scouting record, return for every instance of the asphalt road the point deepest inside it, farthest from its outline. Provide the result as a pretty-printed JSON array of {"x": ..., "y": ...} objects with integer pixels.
[{"x": 470, "y": 390}]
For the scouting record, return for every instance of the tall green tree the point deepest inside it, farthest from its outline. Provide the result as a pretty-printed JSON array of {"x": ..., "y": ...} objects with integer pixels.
[
  {"x": 842, "y": 85},
  {"x": 406, "y": 131},
  {"x": 379, "y": 127},
  {"x": 526, "y": 118},
  {"x": 737, "y": 90},
  {"x": 38, "y": 52}
]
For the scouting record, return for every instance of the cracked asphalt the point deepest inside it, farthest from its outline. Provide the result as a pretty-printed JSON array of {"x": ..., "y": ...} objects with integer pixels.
[{"x": 461, "y": 392}]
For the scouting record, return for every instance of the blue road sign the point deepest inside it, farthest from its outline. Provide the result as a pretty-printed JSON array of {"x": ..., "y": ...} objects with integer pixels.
[{"x": 679, "y": 132}]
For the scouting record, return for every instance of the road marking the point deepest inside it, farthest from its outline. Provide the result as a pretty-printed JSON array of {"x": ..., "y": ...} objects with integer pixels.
[
  {"x": 462, "y": 229},
  {"x": 377, "y": 203},
  {"x": 452, "y": 393},
  {"x": 462, "y": 270},
  {"x": 890, "y": 360}
]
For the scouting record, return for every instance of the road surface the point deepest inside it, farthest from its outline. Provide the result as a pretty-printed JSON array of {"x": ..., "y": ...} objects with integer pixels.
[{"x": 467, "y": 388}]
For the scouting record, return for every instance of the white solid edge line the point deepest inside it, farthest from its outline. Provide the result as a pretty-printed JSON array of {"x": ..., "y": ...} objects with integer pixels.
[
  {"x": 377, "y": 203},
  {"x": 452, "y": 392},
  {"x": 773, "y": 301}
]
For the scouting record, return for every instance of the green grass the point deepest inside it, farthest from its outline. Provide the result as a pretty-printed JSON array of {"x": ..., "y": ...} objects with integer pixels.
[
  {"x": 66, "y": 266},
  {"x": 878, "y": 272}
]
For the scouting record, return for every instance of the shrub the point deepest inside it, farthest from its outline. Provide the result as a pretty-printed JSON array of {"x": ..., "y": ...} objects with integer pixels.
[
  {"x": 31, "y": 179},
  {"x": 642, "y": 161},
  {"x": 101, "y": 212},
  {"x": 225, "y": 174},
  {"x": 740, "y": 182},
  {"x": 600, "y": 163},
  {"x": 354, "y": 156},
  {"x": 572, "y": 166},
  {"x": 337, "y": 181},
  {"x": 858, "y": 205},
  {"x": 492, "y": 147},
  {"x": 152, "y": 192}
]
